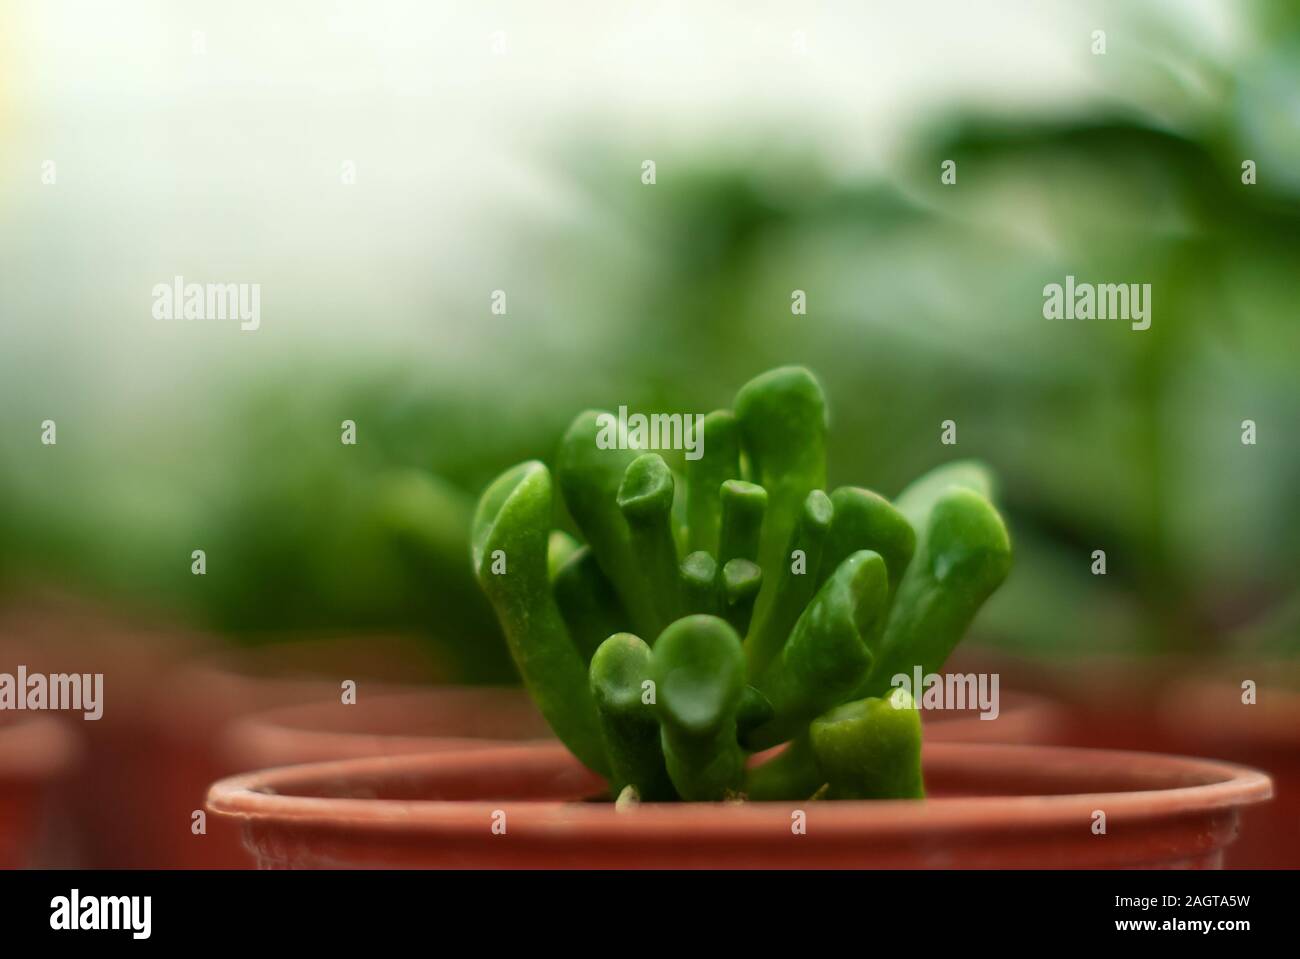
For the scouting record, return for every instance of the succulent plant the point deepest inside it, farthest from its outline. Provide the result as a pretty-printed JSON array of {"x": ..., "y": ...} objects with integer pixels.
[{"x": 713, "y": 616}]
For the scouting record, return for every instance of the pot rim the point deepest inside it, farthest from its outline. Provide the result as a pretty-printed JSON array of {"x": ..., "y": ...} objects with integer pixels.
[{"x": 1196, "y": 785}]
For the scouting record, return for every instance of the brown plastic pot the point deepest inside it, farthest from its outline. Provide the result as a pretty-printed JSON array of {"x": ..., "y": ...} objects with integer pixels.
[
  {"x": 991, "y": 806},
  {"x": 420, "y": 721},
  {"x": 1207, "y": 715},
  {"x": 37, "y": 752}
]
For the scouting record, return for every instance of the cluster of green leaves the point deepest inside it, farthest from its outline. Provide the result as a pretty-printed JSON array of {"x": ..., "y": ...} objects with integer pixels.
[{"x": 719, "y": 614}]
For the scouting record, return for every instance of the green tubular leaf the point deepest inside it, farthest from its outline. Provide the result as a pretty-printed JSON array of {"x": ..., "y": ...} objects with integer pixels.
[
  {"x": 919, "y": 498},
  {"x": 704, "y": 478},
  {"x": 830, "y": 650},
  {"x": 699, "y": 581},
  {"x": 680, "y": 533},
  {"x": 797, "y": 582},
  {"x": 589, "y": 478},
  {"x": 743, "y": 506},
  {"x": 866, "y": 520},
  {"x": 870, "y": 749},
  {"x": 699, "y": 673},
  {"x": 782, "y": 417},
  {"x": 513, "y": 522},
  {"x": 962, "y": 556},
  {"x": 741, "y": 583},
  {"x": 587, "y": 602},
  {"x": 791, "y": 774},
  {"x": 620, "y": 674},
  {"x": 646, "y": 498}
]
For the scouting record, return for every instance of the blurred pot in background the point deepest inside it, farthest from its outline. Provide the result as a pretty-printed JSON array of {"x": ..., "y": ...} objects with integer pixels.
[
  {"x": 105, "y": 797},
  {"x": 1246, "y": 712},
  {"x": 196, "y": 703},
  {"x": 38, "y": 754}
]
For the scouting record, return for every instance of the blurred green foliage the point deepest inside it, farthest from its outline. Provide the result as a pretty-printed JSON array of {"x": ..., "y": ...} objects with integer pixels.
[{"x": 924, "y": 304}]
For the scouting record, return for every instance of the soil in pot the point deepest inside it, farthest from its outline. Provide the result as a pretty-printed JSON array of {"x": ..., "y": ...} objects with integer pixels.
[{"x": 991, "y": 806}]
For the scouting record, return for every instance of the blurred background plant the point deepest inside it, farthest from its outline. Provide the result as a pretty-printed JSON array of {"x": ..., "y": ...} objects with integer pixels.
[{"x": 776, "y": 170}]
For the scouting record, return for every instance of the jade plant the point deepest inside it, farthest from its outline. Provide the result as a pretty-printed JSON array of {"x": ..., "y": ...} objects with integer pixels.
[{"x": 714, "y": 615}]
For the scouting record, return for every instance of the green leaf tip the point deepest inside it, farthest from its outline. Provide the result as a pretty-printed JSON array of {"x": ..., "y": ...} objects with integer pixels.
[
  {"x": 699, "y": 670},
  {"x": 523, "y": 487},
  {"x": 621, "y": 685},
  {"x": 870, "y": 749},
  {"x": 619, "y": 668},
  {"x": 646, "y": 492}
]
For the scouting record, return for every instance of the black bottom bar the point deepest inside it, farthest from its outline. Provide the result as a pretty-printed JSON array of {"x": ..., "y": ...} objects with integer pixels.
[{"x": 488, "y": 909}]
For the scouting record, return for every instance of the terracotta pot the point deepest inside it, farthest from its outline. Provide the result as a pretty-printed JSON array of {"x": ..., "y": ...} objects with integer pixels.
[
  {"x": 1207, "y": 715},
  {"x": 37, "y": 753},
  {"x": 992, "y": 806},
  {"x": 420, "y": 721},
  {"x": 196, "y": 703}
]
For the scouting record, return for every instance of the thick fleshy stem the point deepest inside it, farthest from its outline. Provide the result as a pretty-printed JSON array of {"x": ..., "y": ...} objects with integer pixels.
[
  {"x": 830, "y": 649},
  {"x": 620, "y": 684},
  {"x": 511, "y": 532},
  {"x": 797, "y": 582},
  {"x": 646, "y": 499},
  {"x": 699, "y": 673}
]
